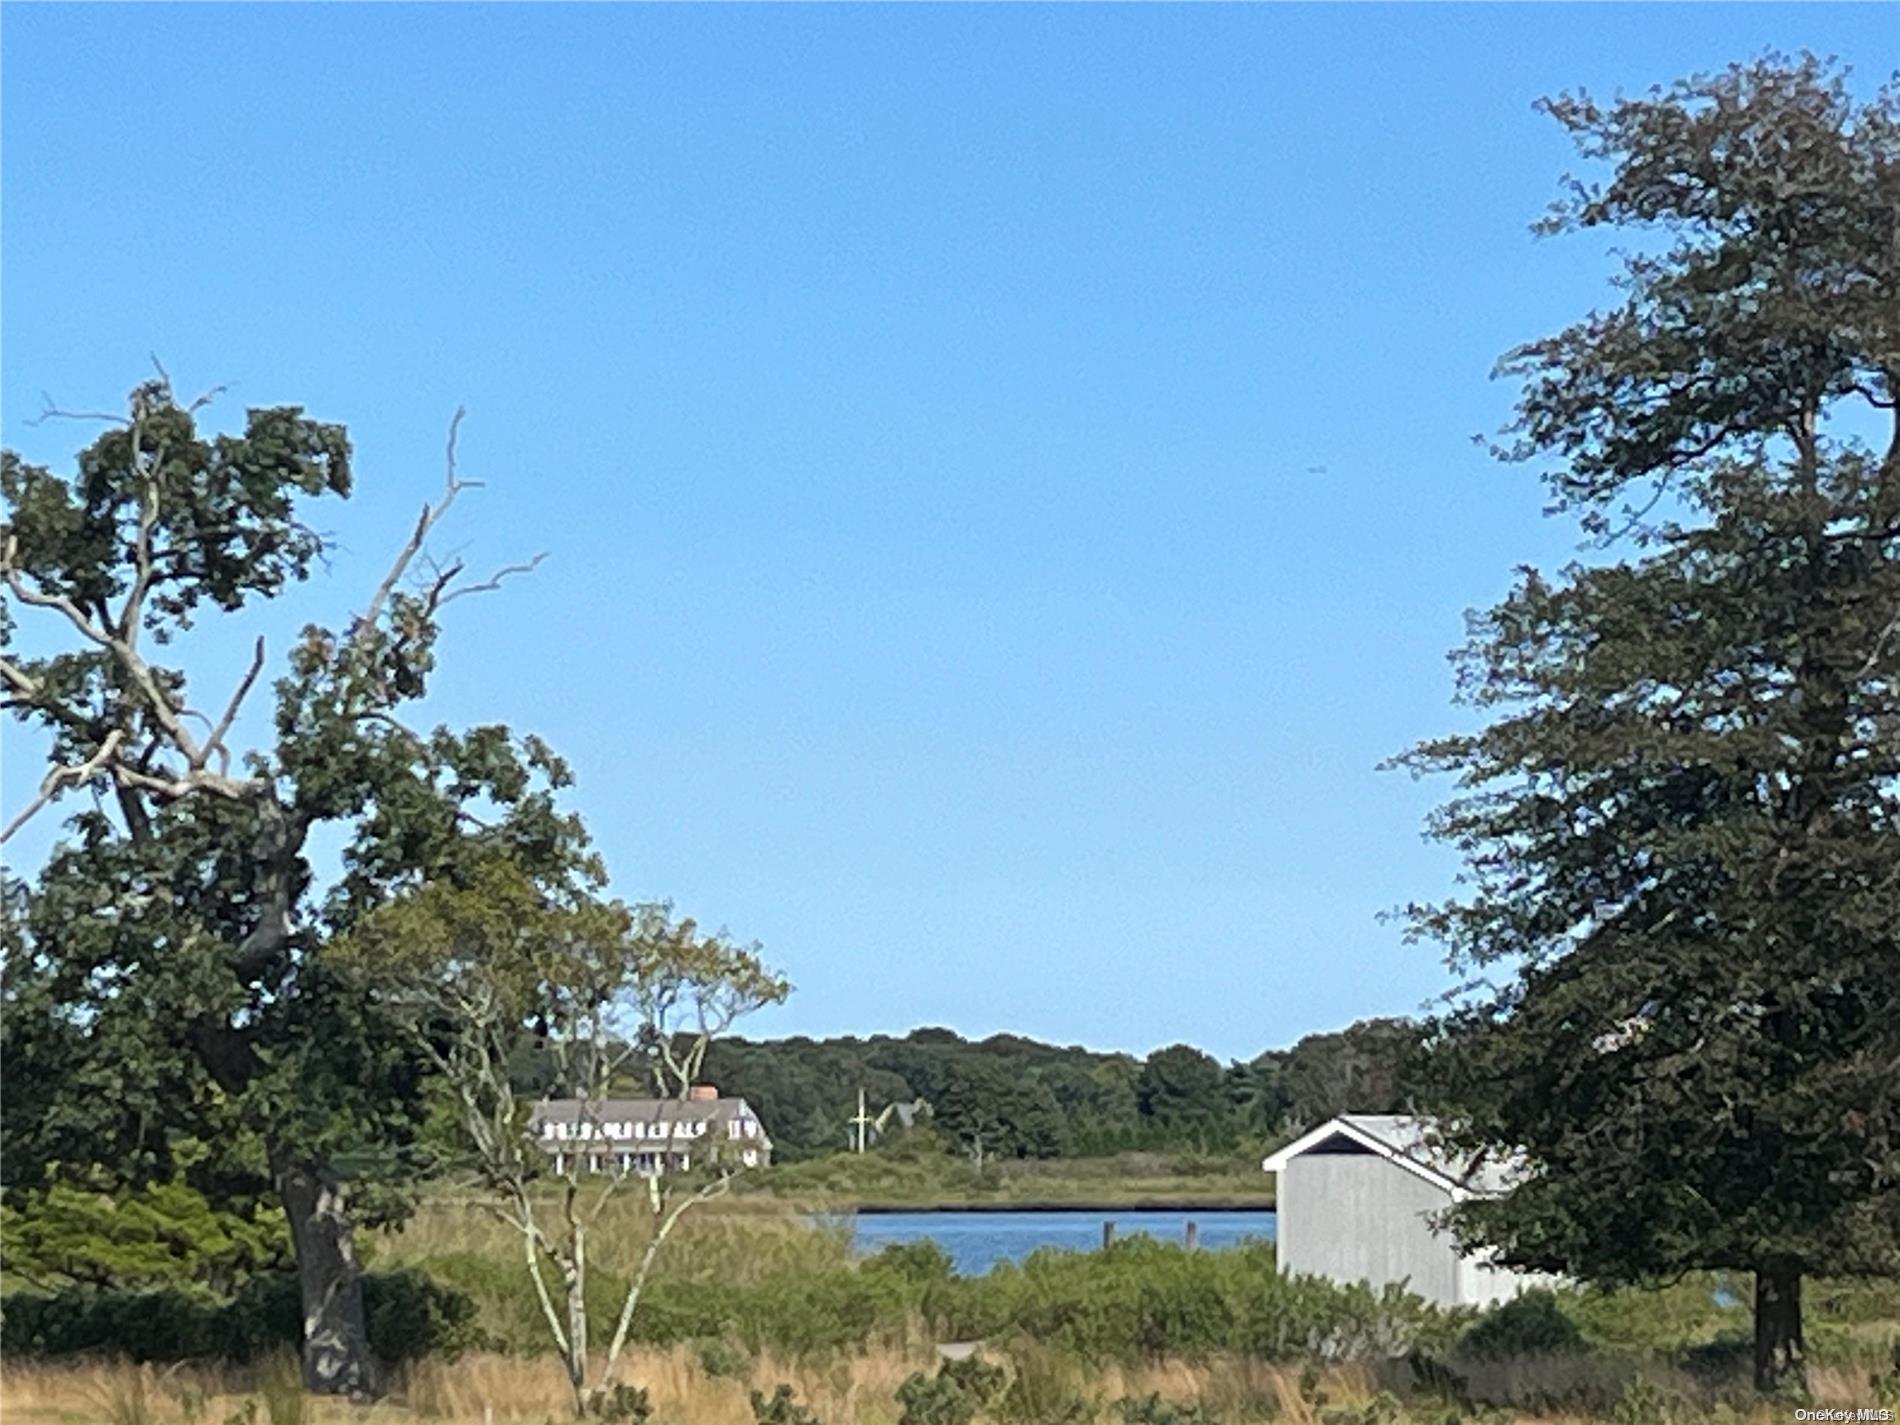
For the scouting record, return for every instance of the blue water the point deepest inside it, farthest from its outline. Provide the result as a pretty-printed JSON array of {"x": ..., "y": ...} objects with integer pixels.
[{"x": 977, "y": 1241}]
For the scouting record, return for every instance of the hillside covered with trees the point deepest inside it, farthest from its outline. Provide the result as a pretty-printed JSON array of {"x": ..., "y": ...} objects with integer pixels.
[{"x": 1021, "y": 1098}]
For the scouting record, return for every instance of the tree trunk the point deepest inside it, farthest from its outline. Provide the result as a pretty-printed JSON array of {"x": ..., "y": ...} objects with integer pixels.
[
  {"x": 1780, "y": 1356},
  {"x": 336, "y": 1355}
]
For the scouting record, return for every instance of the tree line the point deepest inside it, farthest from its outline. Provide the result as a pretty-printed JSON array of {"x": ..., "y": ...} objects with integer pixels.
[{"x": 1014, "y": 1097}]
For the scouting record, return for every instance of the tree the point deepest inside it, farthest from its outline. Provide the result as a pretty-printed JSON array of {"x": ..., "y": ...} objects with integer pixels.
[
  {"x": 988, "y": 1113},
  {"x": 1184, "y": 1091},
  {"x": 1681, "y": 826},
  {"x": 1258, "y": 1094},
  {"x": 165, "y": 974},
  {"x": 1362, "y": 1069},
  {"x": 481, "y": 953}
]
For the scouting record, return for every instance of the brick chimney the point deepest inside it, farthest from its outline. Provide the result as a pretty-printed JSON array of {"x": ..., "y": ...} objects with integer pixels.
[{"x": 702, "y": 1093}]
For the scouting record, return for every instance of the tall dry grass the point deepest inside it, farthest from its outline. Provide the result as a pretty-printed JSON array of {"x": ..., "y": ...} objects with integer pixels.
[
  {"x": 859, "y": 1389},
  {"x": 734, "y": 1247}
]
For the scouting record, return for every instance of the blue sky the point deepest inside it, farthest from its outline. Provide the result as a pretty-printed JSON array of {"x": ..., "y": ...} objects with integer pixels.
[{"x": 1006, "y": 472}]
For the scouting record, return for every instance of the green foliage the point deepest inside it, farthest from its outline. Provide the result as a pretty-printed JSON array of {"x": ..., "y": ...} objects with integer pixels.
[
  {"x": 722, "y": 1359},
  {"x": 1680, "y": 823},
  {"x": 1046, "y": 1387},
  {"x": 1383, "y": 1409},
  {"x": 1153, "y": 1410},
  {"x": 167, "y": 976},
  {"x": 1366, "y": 1068},
  {"x": 68, "y": 1233},
  {"x": 1643, "y": 1403},
  {"x": 954, "y": 1395},
  {"x": 1032, "y": 1099},
  {"x": 409, "y": 1317},
  {"x": 1534, "y": 1324},
  {"x": 781, "y": 1407},
  {"x": 621, "y": 1404}
]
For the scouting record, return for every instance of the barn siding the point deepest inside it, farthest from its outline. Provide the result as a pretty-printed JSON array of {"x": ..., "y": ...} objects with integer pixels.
[{"x": 1357, "y": 1217}]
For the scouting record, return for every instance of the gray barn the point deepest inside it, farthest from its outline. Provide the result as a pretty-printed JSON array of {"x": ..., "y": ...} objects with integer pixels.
[{"x": 1355, "y": 1201}]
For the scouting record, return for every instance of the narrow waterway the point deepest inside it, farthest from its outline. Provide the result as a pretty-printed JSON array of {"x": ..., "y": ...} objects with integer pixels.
[{"x": 977, "y": 1241}]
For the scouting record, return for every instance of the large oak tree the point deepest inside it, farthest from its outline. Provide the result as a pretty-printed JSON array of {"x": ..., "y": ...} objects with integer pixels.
[
  {"x": 166, "y": 980},
  {"x": 1681, "y": 825}
]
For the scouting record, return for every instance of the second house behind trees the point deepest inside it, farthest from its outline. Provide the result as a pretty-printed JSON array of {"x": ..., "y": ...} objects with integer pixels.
[{"x": 650, "y": 1135}]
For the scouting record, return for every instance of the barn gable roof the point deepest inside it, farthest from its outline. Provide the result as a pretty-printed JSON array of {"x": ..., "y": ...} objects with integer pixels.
[{"x": 1407, "y": 1143}]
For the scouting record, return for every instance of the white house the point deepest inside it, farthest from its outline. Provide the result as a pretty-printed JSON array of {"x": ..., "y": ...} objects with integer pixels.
[
  {"x": 650, "y": 1135},
  {"x": 1356, "y": 1201}
]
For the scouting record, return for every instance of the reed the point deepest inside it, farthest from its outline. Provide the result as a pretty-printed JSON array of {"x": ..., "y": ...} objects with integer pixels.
[{"x": 853, "y": 1389}]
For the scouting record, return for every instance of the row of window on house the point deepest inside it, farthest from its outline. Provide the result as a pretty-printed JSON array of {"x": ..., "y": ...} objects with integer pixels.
[
  {"x": 638, "y": 1162},
  {"x": 640, "y": 1128}
]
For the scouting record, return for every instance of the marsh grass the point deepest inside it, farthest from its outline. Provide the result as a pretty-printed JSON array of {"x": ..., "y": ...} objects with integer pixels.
[{"x": 854, "y": 1389}]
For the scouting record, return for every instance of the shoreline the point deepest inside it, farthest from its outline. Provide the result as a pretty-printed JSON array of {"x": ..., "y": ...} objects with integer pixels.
[
  {"x": 1137, "y": 1205},
  {"x": 991, "y": 1205}
]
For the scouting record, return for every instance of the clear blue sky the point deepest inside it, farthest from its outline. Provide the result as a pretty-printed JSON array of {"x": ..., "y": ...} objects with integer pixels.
[{"x": 1006, "y": 472}]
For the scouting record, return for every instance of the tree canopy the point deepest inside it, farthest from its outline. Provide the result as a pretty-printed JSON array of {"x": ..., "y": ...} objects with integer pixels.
[
  {"x": 1680, "y": 913},
  {"x": 165, "y": 977}
]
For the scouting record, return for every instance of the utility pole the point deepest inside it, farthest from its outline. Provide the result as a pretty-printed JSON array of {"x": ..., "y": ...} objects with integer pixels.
[{"x": 862, "y": 1121}]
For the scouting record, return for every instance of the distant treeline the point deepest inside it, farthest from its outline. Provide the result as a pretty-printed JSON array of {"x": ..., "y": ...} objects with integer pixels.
[{"x": 1007, "y": 1096}]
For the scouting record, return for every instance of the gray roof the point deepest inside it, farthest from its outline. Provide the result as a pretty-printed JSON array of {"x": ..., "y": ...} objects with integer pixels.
[
  {"x": 1414, "y": 1141},
  {"x": 640, "y": 1110}
]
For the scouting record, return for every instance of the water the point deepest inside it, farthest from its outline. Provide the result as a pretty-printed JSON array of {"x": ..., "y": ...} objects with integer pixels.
[{"x": 977, "y": 1241}]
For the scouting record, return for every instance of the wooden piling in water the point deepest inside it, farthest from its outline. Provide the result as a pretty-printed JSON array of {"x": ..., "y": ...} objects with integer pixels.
[
  {"x": 1193, "y": 1236},
  {"x": 1108, "y": 1235}
]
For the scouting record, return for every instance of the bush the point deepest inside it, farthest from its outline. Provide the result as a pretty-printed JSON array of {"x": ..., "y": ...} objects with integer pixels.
[
  {"x": 1532, "y": 1325},
  {"x": 622, "y": 1405},
  {"x": 954, "y": 1395},
  {"x": 407, "y": 1316},
  {"x": 721, "y": 1359},
  {"x": 1153, "y": 1410},
  {"x": 781, "y": 1407}
]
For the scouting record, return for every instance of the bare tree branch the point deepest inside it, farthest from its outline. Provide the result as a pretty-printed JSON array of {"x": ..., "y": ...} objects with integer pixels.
[
  {"x": 493, "y": 582},
  {"x": 62, "y": 777},
  {"x": 215, "y": 743},
  {"x": 52, "y": 411},
  {"x": 453, "y": 485}
]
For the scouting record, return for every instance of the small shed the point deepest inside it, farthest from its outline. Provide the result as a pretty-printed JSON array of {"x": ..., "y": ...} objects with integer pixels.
[{"x": 1356, "y": 1201}]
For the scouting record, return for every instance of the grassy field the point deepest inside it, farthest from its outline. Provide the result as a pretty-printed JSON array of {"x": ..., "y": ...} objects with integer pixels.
[
  {"x": 872, "y": 1181},
  {"x": 860, "y": 1389},
  {"x": 748, "y": 1300}
]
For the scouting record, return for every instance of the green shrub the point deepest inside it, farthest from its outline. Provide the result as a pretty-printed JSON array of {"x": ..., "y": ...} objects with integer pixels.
[
  {"x": 1153, "y": 1410},
  {"x": 1726, "y": 1357},
  {"x": 407, "y": 1316},
  {"x": 932, "y": 1400},
  {"x": 952, "y": 1396},
  {"x": 1534, "y": 1324},
  {"x": 781, "y": 1407},
  {"x": 722, "y": 1359},
  {"x": 75, "y": 1231},
  {"x": 1045, "y": 1388},
  {"x": 921, "y": 1262},
  {"x": 620, "y": 1405}
]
